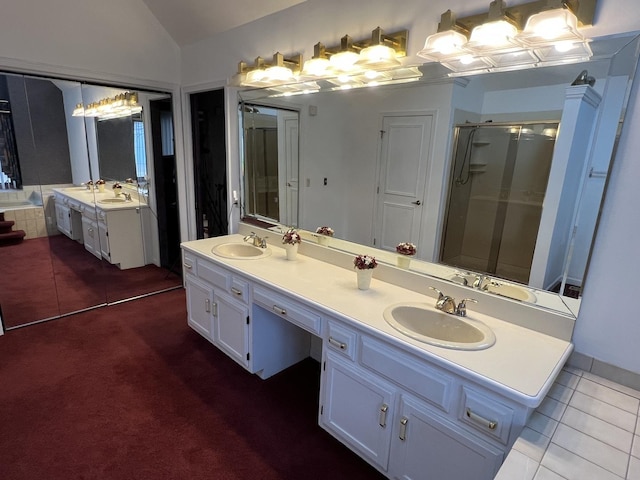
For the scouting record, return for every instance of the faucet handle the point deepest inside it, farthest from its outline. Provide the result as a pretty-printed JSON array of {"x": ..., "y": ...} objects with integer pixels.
[
  {"x": 461, "y": 309},
  {"x": 440, "y": 294}
]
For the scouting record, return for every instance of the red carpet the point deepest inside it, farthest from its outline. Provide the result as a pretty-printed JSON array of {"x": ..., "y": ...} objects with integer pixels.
[
  {"x": 51, "y": 276},
  {"x": 130, "y": 392}
]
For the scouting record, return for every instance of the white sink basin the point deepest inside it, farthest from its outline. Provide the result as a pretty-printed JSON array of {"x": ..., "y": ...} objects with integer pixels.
[
  {"x": 511, "y": 291},
  {"x": 112, "y": 200},
  {"x": 424, "y": 323},
  {"x": 240, "y": 250}
]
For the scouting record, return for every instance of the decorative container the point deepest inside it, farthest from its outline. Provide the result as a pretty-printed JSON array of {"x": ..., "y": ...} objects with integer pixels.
[
  {"x": 404, "y": 261},
  {"x": 364, "y": 278},
  {"x": 292, "y": 250}
]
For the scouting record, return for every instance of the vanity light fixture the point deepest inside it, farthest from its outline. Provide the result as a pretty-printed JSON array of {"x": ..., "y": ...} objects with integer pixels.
[
  {"x": 122, "y": 105},
  {"x": 383, "y": 51},
  {"x": 367, "y": 62},
  {"x": 497, "y": 41}
]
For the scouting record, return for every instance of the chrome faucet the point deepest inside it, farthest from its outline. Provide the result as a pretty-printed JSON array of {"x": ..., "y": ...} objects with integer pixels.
[
  {"x": 447, "y": 304},
  {"x": 256, "y": 241},
  {"x": 127, "y": 196}
]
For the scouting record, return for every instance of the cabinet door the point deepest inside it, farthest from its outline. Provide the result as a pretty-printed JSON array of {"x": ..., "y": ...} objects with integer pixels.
[
  {"x": 357, "y": 408},
  {"x": 63, "y": 219},
  {"x": 231, "y": 332},
  {"x": 91, "y": 236},
  {"x": 104, "y": 241},
  {"x": 199, "y": 306},
  {"x": 426, "y": 446}
]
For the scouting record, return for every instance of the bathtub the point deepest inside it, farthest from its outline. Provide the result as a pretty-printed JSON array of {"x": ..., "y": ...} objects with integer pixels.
[{"x": 26, "y": 215}]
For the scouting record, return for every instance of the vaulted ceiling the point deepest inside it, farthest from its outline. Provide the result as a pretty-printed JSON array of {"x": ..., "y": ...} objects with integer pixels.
[{"x": 189, "y": 21}]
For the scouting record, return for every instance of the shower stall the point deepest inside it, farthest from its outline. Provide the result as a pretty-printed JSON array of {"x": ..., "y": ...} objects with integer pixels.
[{"x": 498, "y": 182}]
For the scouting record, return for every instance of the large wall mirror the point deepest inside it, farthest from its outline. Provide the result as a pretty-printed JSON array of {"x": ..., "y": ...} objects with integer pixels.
[
  {"x": 525, "y": 154},
  {"x": 81, "y": 195}
]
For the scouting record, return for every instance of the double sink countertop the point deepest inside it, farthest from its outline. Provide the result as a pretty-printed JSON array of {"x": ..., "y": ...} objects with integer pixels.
[
  {"x": 102, "y": 200},
  {"x": 521, "y": 365}
]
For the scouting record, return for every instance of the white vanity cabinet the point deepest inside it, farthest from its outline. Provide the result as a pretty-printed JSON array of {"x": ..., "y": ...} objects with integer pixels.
[
  {"x": 120, "y": 234},
  {"x": 90, "y": 232},
  {"x": 218, "y": 307},
  {"x": 68, "y": 218},
  {"x": 410, "y": 419}
]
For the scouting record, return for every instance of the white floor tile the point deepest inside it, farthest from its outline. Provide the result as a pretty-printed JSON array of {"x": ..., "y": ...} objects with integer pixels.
[
  {"x": 543, "y": 424},
  {"x": 531, "y": 443},
  {"x": 568, "y": 379},
  {"x": 546, "y": 474},
  {"x": 634, "y": 469},
  {"x": 613, "y": 385},
  {"x": 517, "y": 466},
  {"x": 608, "y": 395},
  {"x": 635, "y": 449},
  {"x": 596, "y": 451},
  {"x": 572, "y": 466},
  {"x": 599, "y": 429},
  {"x": 604, "y": 411},
  {"x": 552, "y": 408},
  {"x": 560, "y": 392}
]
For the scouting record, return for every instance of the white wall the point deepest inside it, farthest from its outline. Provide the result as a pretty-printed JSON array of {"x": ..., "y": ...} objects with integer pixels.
[
  {"x": 88, "y": 38},
  {"x": 606, "y": 328}
]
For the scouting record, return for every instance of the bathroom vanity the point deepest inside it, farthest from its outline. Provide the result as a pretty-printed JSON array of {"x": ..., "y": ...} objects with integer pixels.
[
  {"x": 109, "y": 227},
  {"x": 411, "y": 409}
]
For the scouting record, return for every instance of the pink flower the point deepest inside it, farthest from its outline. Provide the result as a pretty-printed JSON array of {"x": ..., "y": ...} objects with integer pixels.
[
  {"x": 291, "y": 237},
  {"x": 406, "y": 248}
]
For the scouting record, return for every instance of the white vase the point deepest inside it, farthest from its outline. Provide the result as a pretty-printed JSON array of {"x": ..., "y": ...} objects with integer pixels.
[
  {"x": 292, "y": 250},
  {"x": 364, "y": 278},
  {"x": 404, "y": 261},
  {"x": 101, "y": 188},
  {"x": 323, "y": 240}
]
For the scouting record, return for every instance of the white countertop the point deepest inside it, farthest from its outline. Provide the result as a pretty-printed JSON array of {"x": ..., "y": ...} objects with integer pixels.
[
  {"x": 93, "y": 199},
  {"x": 521, "y": 365}
]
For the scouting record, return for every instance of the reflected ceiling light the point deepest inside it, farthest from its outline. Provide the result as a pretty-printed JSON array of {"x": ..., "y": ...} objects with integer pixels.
[{"x": 122, "y": 105}]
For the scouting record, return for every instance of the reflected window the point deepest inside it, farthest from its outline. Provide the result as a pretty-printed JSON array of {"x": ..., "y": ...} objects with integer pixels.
[{"x": 139, "y": 150}]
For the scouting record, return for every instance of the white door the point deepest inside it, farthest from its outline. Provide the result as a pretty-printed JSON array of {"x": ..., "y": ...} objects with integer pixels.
[
  {"x": 404, "y": 161},
  {"x": 288, "y": 183}
]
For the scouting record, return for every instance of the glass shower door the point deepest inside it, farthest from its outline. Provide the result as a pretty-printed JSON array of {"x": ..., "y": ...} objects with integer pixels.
[{"x": 498, "y": 183}]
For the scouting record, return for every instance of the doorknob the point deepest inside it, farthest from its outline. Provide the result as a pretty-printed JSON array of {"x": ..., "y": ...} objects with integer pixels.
[{"x": 417, "y": 202}]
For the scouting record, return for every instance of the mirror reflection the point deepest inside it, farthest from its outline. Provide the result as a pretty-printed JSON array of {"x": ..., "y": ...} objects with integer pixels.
[
  {"x": 80, "y": 189},
  {"x": 379, "y": 165}
]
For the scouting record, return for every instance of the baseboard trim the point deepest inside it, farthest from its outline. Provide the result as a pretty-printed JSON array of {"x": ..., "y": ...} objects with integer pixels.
[{"x": 605, "y": 370}]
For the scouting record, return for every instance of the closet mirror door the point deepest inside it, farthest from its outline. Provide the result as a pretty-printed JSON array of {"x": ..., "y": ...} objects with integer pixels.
[
  {"x": 133, "y": 172},
  {"x": 51, "y": 275}
]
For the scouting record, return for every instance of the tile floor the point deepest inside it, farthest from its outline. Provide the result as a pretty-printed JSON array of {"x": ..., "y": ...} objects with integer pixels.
[{"x": 586, "y": 428}]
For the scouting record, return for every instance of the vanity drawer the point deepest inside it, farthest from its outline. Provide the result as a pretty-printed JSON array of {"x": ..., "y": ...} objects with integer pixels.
[
  {"x": 239, "y": 288},
  {"x": 189, "y": 263},
  {"x": 429, "y": 383},
  {"x": 342, "y": 340},
  {"x": 288, "y": 309},
  {"x": 216, "y": 276},
  {"x": 486, "y": 414}
]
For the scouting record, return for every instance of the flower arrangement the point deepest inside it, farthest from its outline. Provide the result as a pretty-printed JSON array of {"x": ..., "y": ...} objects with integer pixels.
[
  {"x": 117, "y": 186},
  {"x": 406, "y": 248},
  {"x": 364, "y": 262},
  {"x": 100, "y": 182},
  {"x": 291, "y": 237},
  {"x": 328, "y": 231}
]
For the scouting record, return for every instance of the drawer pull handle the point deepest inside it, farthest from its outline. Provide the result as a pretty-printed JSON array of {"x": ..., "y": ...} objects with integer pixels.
[
  {"x": 336, "y": 343},
  {"x": 403, "y": 428},
  {"x": 383, "y": 415},
  {"x": 490, "y": 424},
  {"x": 279, "y": 310},
  {"x": 187, "y": 266},
  {"x": 236, "y": 291},
  {"x": 207, "y": 305}
]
